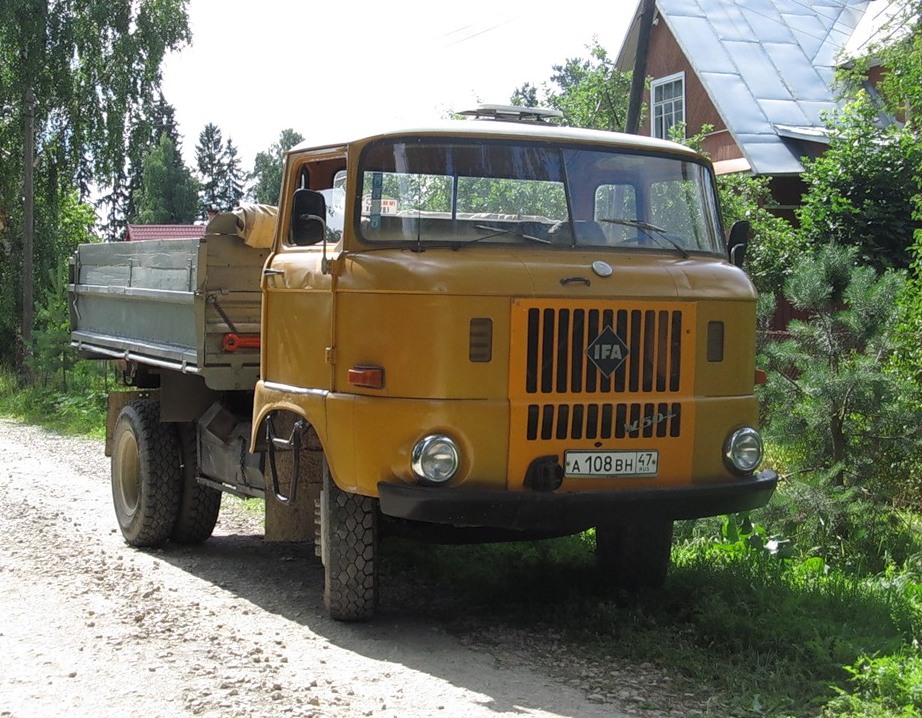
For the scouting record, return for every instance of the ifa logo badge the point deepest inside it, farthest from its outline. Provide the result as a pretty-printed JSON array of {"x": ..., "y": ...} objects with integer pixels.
[{"x": 607, "y": 351}]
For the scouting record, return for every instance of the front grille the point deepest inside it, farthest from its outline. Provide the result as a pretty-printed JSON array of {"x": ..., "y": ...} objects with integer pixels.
[
  {"x": 647, "y": 357},
  {"x": 603, "y": 421}
]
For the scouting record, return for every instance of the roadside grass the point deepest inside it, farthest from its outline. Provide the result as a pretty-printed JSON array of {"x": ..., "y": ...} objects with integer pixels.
[
  {"x": 749, "y": 633},
  {"x": 78, "y": 409}
]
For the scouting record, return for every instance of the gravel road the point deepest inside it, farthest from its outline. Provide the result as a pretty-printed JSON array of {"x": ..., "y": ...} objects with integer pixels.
[{"x": 235, "y": 627}]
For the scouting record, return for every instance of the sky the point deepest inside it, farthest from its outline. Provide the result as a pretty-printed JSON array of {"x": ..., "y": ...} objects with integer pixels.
[{"x": 329, "y": 69}]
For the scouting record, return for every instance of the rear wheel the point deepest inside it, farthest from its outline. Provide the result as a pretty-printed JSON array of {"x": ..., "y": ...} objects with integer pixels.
[
  {"x": 145, "y": 484},
  {"x": 199, "y": 505},
  {"x": 349, "y": 551},
  {"x": 636, "y": 555}
]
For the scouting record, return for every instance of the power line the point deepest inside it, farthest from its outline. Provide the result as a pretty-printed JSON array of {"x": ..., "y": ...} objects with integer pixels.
[{"x": 475, "y": 34}]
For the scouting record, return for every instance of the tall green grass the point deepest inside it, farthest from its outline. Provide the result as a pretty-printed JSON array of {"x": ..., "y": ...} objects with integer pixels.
[
  {"x": 77, "y": 408},
  {"x": 747, "y": 632}
]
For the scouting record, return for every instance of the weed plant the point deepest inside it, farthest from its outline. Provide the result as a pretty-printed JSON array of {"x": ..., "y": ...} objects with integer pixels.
[
  {"x": 750, "y": 632},
  {"x": 78, "y": 408}
]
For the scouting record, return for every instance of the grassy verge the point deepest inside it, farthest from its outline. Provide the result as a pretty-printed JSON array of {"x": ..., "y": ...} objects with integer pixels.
[
  {"x": 748, "y": 633},
  {"x": 80, "y": 409}
]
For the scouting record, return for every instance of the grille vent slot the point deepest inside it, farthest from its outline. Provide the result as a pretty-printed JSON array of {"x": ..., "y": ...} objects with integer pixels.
[
  {"x": 603, "y": 421},
  {"x": 557, "y": 342}
]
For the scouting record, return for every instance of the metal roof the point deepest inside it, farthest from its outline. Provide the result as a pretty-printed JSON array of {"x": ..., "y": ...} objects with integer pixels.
[
  {"x": 767, "y": 66},
  {"x": 136, "y": 232}
]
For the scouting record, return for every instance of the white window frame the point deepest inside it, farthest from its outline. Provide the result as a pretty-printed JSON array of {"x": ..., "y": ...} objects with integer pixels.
[{"x": 666, "y": 108}]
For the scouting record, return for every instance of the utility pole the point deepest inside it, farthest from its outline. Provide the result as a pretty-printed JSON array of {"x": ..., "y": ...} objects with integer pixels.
[
  {"x": 639, "y": 75},
  {"x": 28, "y": 228}
]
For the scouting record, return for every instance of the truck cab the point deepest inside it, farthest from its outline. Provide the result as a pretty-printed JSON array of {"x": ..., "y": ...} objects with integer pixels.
[{"x": 500, "y": 330}]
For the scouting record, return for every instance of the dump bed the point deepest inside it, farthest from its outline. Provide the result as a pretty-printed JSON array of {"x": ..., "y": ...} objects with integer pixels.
[{"x": 174, "y": 304}]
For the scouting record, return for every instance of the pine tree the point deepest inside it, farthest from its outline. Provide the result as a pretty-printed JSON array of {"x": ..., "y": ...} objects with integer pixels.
[
  {"x": 145, "y": 136},
  {"x": 168, "y": 194},
  {"x": 232, "y": 189},
  {"x": 209, "y": 159},
  {"x": 832, "y": 397}
]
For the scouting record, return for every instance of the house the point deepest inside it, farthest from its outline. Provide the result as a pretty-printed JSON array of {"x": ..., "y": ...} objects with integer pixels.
[
  {"x": 137, "y": 232},
  {"x": 760, "y": 72}
]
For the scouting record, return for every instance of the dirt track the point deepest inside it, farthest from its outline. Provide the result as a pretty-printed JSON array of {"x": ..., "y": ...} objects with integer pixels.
[{"x": 235, "y": 627}]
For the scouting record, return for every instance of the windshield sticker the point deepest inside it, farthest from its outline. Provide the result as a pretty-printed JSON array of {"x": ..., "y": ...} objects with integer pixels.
[
  {"x": 383, "y": 206},
  {"x": 374, "y": 209}
]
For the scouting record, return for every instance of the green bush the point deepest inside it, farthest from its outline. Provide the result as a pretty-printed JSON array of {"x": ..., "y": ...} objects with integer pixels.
[
  {"x": 833, "y": 398},
  {"x": 862, "y": 190},
  {"x": 883, "y": 687},
  {"x": 776, "y": 247},
  {"x": 80, "y": 409},
  {"x": 842, "y": 415}
]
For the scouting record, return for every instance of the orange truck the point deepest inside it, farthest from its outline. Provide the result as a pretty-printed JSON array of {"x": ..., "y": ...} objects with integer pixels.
[{"x": 478, "y": 330}]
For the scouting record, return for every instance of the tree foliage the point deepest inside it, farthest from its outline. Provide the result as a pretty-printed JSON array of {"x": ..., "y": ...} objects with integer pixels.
[
  {"x": 900, "y": 52},
  {"x": 169, "y": 192},
  {"x": 776, "y": 247},
  {"x": 209, "y": 161},
  {"x": 590, "y": 93},
  {"x": 832, "y": 396},
  {"x": 220, "y": 176},
  {"x": 862, "y": 190},
  {"x": 94, "y": 68},
  {"x": 234, "y": 177},
  {"x": 53, "y": 356},
  {"x": 267, "y": 170},
  {"x": 146, "y": 134}
]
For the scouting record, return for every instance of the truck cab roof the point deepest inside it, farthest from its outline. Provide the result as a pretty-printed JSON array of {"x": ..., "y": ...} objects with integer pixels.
[{"x": 495, "y": 128}]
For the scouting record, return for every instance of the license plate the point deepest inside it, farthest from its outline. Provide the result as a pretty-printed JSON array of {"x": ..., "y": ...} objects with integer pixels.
[{"x": 590, "y": 464}]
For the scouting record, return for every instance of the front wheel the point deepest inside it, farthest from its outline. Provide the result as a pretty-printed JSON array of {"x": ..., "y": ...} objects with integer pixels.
[
  {"x": 146, "y": 487},
  {"x": 349, "y": 551},
  {"x": 635, "y": 555}
]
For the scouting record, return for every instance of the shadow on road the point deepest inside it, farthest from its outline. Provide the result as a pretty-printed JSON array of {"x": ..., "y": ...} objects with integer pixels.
[{"x": 287, "y": 580}]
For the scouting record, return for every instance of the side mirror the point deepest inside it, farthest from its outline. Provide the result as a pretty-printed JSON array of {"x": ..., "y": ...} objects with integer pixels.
[
  {"x": 308, "y": 212},
  {"x": 739, "y": 240}
]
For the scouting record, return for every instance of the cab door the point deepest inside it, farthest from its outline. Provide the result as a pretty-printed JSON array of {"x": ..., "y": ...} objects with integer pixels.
[{"x": 298, "y": 295}]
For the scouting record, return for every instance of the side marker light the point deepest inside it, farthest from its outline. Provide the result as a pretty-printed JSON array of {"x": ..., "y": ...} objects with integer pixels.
[{"x": 369, "y": 377}]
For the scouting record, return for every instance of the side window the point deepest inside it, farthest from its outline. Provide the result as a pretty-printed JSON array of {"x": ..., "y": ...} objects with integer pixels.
[
  {"x": 667, "y": 97},
  {"x": 615, "y": 209},
  {"x": 336, "y": 206},
  {"x": 326, "y": 177}
]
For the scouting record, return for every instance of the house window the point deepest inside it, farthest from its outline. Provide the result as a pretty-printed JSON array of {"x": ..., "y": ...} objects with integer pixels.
[{"x": 668, "y": 100}]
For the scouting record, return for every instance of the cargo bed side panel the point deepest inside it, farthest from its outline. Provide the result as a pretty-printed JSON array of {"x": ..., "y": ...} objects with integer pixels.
[{"x": 170, "y": 303}]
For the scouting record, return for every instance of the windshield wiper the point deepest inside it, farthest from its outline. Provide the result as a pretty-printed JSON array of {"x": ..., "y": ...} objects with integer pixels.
[
  {"x": 658, "y": 234},
  {"x": 494, "y": 231}
]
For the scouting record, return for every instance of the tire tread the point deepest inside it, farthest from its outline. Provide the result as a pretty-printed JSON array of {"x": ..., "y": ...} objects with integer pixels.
[
  {"x": 351, "y": 555},
  {"x": 158, "y": 452}
]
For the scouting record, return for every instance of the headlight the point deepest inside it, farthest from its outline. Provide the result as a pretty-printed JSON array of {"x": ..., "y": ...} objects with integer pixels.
[
  {"x": 435, "y": 458},
  {"x": 743, "y": 451}
]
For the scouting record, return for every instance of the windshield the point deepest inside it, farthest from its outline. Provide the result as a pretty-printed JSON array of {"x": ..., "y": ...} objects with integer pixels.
[{"x": 433, "y": 192}]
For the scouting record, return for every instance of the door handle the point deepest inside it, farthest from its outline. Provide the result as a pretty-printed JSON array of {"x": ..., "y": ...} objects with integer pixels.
[{"x": 270, "y": 272}]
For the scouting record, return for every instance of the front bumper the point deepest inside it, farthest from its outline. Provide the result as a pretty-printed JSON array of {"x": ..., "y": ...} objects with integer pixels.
[{"x": 571, "y": 511}]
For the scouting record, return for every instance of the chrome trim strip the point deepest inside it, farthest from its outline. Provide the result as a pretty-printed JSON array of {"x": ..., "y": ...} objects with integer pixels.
[
  {"x": 288, "y": 389},
  {"x": 127, "y": 355}
]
